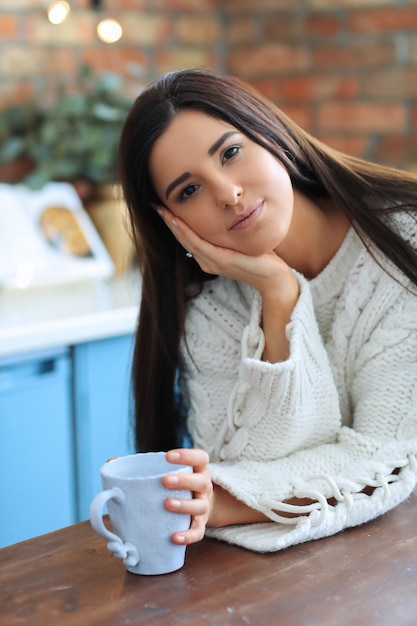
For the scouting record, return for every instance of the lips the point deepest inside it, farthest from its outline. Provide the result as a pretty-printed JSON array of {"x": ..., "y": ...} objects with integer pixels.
[{"x": 247, "y": 217}]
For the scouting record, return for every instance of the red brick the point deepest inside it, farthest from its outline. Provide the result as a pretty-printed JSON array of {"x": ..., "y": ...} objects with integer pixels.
[
  {"x": 128, "y": 56},
  {"x": 197, "y": 30},
  {"x": 184, "y": 5},
  {"x": 135, "y": 83},
  {"x": 301, "y": 115},
  {"x": 339, "y": 4},
  {"x": 364, "y": 117},
  {"x": 290, "y": 26},
  {"x": 19, "y": 5},
  {"x": 144, "y": 29},
  {"x": 413, "y": 50},
  {"x": 321, "y": 25},
  {"x": 291, "y": 90},
  {"x": 392, "y": 84},
  {"x": 380, "y": 20},
  {"x": 113, "y": 59},
  {"x": 78, "y": 29},
  {"x": 33, "y": 62},
  {"x": 315, "y": 87},
  {"x": 257, "y": 6},
  {"x": 282, "y": 27},
  {"x": 115, "y": 6},
  {"x": 261, "y": 60},
  {"x": 396, "y": 150},
  {"x": 355, "y": 55},
  {"x": 134, "y": 64},
  {"x": 269, "y": 87},
  {"x": 8, "y": 26},
  {"x": 241, "y": 30},
  {"x": 356, "y": 145},
  {"x": 168, "y": 60}
]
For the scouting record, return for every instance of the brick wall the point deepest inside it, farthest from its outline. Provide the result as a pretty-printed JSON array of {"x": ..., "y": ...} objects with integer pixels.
[
  {"x": 158, "y": 35},
  {"x": 346, "y": 70}
]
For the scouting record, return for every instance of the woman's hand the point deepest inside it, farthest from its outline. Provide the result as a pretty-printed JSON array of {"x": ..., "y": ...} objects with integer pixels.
[
  {"x": 264, "y": 272},
  {"x": 199, "y": 482},
  {"x": 211, "y": 505},
  {"x": 268, "y": 273}
]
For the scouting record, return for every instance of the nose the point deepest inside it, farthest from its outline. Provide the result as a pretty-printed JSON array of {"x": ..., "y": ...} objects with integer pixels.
[{"x": 229, "y": 192}]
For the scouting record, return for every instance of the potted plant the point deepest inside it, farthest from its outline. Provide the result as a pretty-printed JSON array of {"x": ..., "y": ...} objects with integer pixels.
[
  {"x": 17, "y": 122},
  {"x": 74, "y": 139}
]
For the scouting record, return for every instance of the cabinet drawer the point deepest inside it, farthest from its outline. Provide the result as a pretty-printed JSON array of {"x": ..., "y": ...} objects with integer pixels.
[
  {"x": 21, "y": 373},
  {"x": 36, "y": 446}
]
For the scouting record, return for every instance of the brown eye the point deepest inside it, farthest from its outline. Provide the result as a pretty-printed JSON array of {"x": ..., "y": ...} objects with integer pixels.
[
  {"x": 229, "y": 153},
  {"x": 188, "y": 191}
]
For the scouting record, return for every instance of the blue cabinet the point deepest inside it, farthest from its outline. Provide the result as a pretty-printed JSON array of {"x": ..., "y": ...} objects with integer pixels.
[
  {"x": 102, "y": 375},
  {"x": 36, "y": 445},
  {"x": 62, "y": 414}
]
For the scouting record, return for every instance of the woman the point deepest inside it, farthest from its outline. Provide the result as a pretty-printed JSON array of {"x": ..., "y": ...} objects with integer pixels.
[{"x": 279, "y": 282}]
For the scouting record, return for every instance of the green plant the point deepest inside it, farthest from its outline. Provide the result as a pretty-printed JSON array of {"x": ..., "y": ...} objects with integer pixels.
[{"x": 76, "y": 138}]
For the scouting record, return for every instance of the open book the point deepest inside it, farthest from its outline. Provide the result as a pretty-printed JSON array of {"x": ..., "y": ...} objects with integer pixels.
[{"x": 47, "y": 237}]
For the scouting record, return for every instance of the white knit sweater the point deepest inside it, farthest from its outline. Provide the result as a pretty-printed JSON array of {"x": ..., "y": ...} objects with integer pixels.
[{"x": 338, "y": 415}]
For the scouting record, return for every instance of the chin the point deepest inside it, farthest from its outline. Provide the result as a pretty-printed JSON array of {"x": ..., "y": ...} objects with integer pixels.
[
  {"x": 254, "y": 250},
  {"x": 258, "y": 248}
]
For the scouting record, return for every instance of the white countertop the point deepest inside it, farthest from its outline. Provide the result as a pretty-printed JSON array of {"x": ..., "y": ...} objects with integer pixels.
[{"x": 48, "y": 317}]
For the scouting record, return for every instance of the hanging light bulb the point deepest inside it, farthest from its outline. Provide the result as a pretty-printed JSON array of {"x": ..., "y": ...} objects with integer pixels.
[
  {"x": 58, "y": 11},
  {"x": 109, "y": 30}
]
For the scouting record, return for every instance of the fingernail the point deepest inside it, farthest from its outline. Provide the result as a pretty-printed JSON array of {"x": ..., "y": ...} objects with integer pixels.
[
  {"x": 173, "y": 456},
  {"x": 171, "y": 480},
  {"x": 180, "y": 538},
  {"x": 175, "y": 504}
]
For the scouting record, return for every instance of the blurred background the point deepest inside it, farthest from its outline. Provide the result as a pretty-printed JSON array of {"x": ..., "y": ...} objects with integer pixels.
[{"x": 346, "y": 70}]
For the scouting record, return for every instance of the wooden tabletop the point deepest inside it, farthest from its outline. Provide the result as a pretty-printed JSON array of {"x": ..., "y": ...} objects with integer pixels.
[{"x": 364, "y": 576}]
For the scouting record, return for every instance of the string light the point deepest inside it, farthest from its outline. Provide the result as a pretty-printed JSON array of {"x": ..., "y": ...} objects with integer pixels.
[
  {"x": 109, "y": 30},
  {"x": 58, "y": 11}
]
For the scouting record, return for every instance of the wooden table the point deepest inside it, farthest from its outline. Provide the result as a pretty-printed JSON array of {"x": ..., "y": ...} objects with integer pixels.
[{"x": 363, "y": 576}]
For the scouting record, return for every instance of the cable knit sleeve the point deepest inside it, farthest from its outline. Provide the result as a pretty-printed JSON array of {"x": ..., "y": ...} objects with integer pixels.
[
  {"x": 241, "y": 407},
  {"x": 375, "y": 349},
  {"x": 288, "y": 405}
]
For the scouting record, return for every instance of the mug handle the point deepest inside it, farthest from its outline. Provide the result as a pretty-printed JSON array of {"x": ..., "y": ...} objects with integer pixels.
[{"x": 122, "y": 550}]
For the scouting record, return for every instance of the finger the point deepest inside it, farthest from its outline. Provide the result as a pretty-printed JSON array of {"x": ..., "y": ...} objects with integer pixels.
[
  {"x": 172, "y": 221},
  {"x": 195, "y": 457},
  {"x": 198, "y": 482},
  {"x": 185, "y": 235},
  {"x": 193, "y": 535},
  {"x": 205, "y": 253},
  {"x": 168, "y": 217},
  {"x": 195, "y": 507}
]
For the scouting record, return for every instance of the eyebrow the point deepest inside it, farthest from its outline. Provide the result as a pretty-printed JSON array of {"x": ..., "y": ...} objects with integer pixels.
[
  {"x": 217, "y": 144},
  {"x": 176, "y": 182},
  {"x": 212, "y": 150}
]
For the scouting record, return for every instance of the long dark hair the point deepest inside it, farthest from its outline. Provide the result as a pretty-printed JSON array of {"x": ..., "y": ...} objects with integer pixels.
[{"x": 368, "y": 193}]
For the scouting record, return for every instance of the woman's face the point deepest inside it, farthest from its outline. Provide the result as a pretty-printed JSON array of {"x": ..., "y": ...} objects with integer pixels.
[{"x": 228, "y": 189}]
